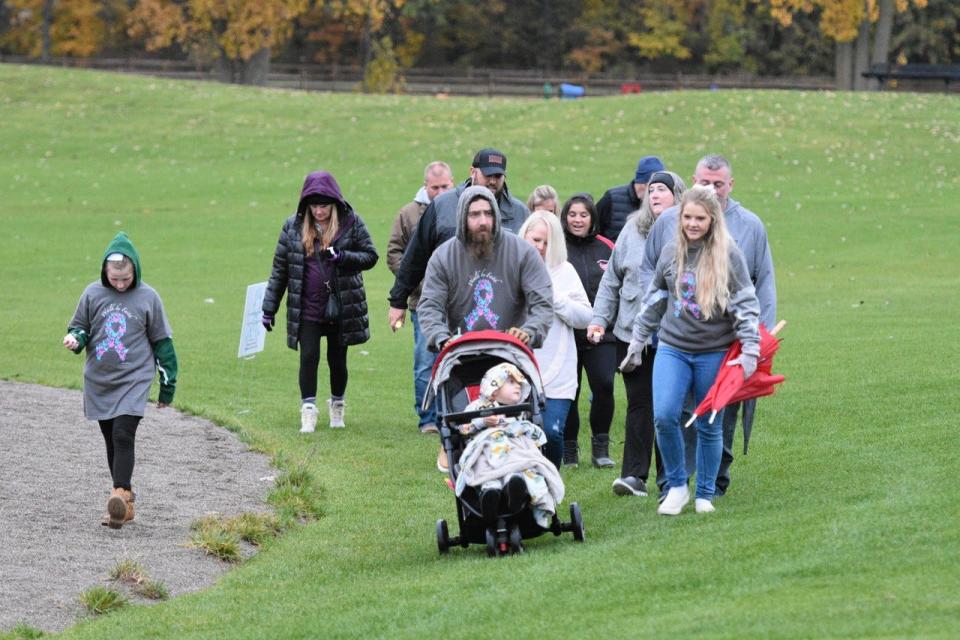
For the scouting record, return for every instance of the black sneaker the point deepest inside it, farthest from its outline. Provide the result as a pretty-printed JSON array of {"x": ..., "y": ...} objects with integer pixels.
[{"x": 630, "y": 486}]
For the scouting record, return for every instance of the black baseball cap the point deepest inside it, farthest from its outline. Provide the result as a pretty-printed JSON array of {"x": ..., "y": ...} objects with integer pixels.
[{"x": 490, "y": 162}]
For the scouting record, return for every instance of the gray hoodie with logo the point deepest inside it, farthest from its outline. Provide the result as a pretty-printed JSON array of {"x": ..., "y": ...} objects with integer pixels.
[
  {"x": 681, "y": 321},
  {"x": 747, "y": 231},
  {"x": 463, "y": 292}
]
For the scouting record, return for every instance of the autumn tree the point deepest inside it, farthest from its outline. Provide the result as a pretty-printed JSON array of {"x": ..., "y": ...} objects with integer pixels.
[
  {"x": 41, "y": 28},
  {"x": 374, "y": 34},
  {"x": 861, "y": 29},
  {"x": 237, "y": 35}
]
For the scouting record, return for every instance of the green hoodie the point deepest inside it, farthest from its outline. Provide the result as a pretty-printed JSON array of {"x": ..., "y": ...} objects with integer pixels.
[{"x": 121, "y": 244}]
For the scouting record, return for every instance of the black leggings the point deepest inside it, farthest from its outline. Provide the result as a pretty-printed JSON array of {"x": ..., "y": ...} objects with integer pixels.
[
  {"x": 600, "y": 361},
  {"x": 310, "y": 334},
  {"x": 640, "y": 440},
  {"x": 119, "y": 435}
]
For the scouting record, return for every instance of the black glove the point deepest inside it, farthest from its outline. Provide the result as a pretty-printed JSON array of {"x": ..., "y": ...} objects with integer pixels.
[
  {"x": 267, "y": 322},
  {"x": 329, "y": 254}
]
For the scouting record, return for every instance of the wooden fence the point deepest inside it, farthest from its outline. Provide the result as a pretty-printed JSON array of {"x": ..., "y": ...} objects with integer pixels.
[{"x": 450, "y": 81}]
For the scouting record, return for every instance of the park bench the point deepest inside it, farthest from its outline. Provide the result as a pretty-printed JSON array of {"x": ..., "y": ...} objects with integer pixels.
[{"x": 946, "y": 73}]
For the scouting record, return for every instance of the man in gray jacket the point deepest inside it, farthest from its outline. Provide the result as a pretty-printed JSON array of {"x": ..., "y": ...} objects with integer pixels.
[
  {"x": 437, "y": 179},
  {"x": 484, "y": 278},
  {"x": 439, "y": 223},
  {"x": 751, "y": 236}
]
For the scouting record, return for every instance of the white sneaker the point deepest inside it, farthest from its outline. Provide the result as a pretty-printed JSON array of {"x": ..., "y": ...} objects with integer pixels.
[
  {"x": 336, "y": 413},
  {"x": 308, "y": 418},
  {"x": 704, "y": 506},
  {"x": 673, "y": 504}
]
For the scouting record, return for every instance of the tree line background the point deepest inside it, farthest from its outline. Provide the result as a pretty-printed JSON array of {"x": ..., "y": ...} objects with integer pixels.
[{"x": 386, "y": 37}]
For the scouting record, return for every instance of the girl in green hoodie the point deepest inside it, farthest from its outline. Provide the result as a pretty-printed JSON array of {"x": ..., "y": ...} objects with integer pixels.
[{"x": 121, "y": 322}]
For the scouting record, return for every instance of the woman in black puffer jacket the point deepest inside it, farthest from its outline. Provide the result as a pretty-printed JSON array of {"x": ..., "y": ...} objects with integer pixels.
[
  {"x": 322, "y": 250},
  {"x": 588, "y": 252}
]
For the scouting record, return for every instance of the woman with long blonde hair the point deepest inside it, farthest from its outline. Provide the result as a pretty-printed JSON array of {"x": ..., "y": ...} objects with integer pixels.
[{"x": 700, "y": 300}]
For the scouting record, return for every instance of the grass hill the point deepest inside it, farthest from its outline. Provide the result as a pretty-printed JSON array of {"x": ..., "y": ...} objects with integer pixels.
[{"x": 841, "y": 520}]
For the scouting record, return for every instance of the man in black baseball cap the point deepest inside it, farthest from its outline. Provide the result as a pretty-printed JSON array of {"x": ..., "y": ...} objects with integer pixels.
[
  {"x": 489, "y": 169},
  {"x": 439, "y": 223}
]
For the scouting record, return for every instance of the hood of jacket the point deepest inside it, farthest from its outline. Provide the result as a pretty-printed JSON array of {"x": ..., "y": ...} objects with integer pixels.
[
  {"x": 121, "y": 244},
  {"x": 464, "y": 203},
  {"x": 322, "y": 183},
  {"x": 422, "y": 197}
]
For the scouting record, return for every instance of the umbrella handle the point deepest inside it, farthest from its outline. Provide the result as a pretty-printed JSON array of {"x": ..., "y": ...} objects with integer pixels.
[
  {"x": 777, "y": 327},
  {"x": 692, "y": 419}
]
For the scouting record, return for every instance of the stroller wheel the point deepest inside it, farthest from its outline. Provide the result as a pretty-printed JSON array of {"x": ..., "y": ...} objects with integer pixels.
[
  {"x": 516, "y": 541},
  {"x": 491, "y": 539},
  {"x": 443, "y": 537},
  {"x": 576, "y": 522}
]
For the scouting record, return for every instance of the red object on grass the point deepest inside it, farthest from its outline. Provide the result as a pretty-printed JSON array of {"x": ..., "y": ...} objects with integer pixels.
[{"x": 729, "y": 385}]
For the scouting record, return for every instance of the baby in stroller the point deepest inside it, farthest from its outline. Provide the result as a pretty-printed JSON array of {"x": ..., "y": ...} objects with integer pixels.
[{"x": 502, "y": 458}]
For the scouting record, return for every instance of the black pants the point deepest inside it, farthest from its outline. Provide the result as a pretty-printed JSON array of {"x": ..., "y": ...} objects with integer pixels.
[
  {"x": 119, "y": 435},
  {"x": 310, "y": 334},
  {"x": 600, "y": 361},
  {"x": 640, "y": 438}
]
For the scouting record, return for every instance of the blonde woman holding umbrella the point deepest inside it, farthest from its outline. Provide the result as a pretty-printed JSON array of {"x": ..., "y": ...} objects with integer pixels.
[{"x": 700, "y": 299}]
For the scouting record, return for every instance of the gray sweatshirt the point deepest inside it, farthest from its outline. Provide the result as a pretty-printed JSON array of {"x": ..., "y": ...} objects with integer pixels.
[
  {"x": 750, "y": 235},
  {"x": 680, "y": 320},
  {"x": 462, "y": 292}
]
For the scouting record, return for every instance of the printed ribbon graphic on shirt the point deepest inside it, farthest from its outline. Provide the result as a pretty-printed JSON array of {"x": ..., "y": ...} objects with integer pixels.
[
  {"x": 115, "y": 328},
  {"x": 482, "y": 296},
  {"x": 688, "y": 291}
]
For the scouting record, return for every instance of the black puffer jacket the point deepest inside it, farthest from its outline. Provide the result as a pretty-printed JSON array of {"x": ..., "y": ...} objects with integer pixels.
[
  {"x": 355, "y": 253},
  {"x": 615, "y": 207}
]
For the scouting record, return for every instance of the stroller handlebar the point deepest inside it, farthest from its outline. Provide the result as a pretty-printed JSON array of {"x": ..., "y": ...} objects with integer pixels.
[{"x": 464, "y": 417}]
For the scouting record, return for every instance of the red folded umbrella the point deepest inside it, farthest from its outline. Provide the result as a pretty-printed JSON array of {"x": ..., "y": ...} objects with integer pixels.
[{"x": 729, "y": 385}]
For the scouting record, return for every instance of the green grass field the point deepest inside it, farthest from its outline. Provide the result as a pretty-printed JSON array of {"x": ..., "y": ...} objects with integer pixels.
[{"x": 841, "y": 521}]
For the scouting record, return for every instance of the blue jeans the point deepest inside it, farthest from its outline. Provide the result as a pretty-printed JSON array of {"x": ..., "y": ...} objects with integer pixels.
[
  {"x": 675, "y": 373},
  {"x": 423, "y": 360},
  {"x": 730, "y": 414},
  {"x": 554, "y": 421}
]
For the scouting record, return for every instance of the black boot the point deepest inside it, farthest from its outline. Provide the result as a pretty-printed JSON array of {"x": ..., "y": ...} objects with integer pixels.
[
  {"x": 517, "y": 496},
  {"x": 489, "y": 505},
  {"x": 601, "y": 452},
  {"x": 571, "y": 453}
]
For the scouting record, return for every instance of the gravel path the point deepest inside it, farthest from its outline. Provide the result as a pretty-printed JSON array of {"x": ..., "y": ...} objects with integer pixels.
[{"x": 54, "y": 484}]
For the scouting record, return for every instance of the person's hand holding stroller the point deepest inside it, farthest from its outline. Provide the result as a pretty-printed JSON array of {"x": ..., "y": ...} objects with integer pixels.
[{"x": 519, "y": 334}]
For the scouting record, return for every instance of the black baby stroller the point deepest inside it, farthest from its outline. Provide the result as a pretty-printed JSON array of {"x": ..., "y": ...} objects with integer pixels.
[{"x": 455, "y": 382}]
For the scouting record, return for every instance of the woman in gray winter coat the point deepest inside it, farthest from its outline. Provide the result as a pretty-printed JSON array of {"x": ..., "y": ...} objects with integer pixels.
[{"x": 322, "y": 250}]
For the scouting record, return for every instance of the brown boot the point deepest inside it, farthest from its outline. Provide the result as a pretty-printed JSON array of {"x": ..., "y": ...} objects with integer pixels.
[{"x": 119, "y": 507}]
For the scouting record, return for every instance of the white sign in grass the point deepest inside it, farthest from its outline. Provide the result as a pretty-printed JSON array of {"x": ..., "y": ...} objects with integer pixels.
[{"x": 252, "y": 333}]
